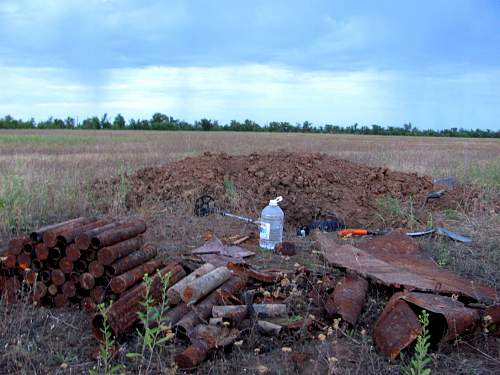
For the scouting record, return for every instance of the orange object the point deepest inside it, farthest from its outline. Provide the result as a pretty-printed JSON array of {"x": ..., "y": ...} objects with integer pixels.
[{"x": 352, "y": 232}]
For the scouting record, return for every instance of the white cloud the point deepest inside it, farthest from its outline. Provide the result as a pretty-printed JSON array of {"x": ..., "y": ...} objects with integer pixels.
[{"x": 259, "y": 92}]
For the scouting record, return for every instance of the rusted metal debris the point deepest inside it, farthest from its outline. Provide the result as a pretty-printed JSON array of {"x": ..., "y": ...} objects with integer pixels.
[
  {"x": 38, "y": 235},
  {"x": 121, "y": 283},
  {"x": 50, "y": 236},
  {"x": 107, "y": 255},
  {"x": 203, "y": 285},
  {"x": 118, "y": 234},
  {"x": 132, "y": 260},
  {"x": 123, "y": 313},
  {"x": 248, "y": 272},
  {"x": 348, "y": 298},
  {"x": 174, "y": 293},
  {"x": 260, "y": 310},
  {"x": 83, "y": 240},
  {"x": 396, "y": 328},
  {"x": 395, "y": 260},
  {"x": 203, "y": 310},
  {"x": 204, "y": 340}
]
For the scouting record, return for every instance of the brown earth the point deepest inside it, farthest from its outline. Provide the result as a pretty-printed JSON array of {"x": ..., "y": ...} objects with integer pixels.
[{"x": 314, "y": 187}]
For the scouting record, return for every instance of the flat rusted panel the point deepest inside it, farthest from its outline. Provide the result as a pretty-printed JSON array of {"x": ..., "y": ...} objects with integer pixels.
[
  {"x": 459, "y": 319},
  {"x": 348, "y": 298},
  {"x": 396, "y": 328},
  {"x": 394, "y": 260}
]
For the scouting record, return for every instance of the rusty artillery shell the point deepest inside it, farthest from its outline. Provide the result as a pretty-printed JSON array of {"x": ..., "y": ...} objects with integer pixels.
[
  {"x": 132, "y": 260},
  {"x": 80, "y": 266},
  {"x": 60, "y": 300},
  {"x": 16, "y": 245},
  {"x": 50, "y": 236},
  {"x": 82, "y": 240},
  {"x": 69, "y": 289},
  {"x": 44, "y": 276},
  {"x": 348, "y": 298},
  {"x": 41, "y": 251},
  {"x": 73, "y": 252},
  {"x": 66, "y": 265},
  {"x": 24, "y": 260},
  {"x": 57, "y": 277},
  {"x": 118, "y": 234},
  {"x": 203, "y": 310},
  {"x": 52, "y": 289},
  {"x": 121, "y": 283},
  {"x": 122, "y": 314},
  {"x": 37, "y": 236},
  {"x": 98, "y": 294},
  {"x": 67, "y": 236},
  {"x": 96, "y": 269},
  {"x": 108, "y": 255},
  {"x": 87, "y": 281}
]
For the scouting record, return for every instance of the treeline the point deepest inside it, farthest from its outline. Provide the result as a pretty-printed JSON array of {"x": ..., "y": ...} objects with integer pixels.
[{"x": 160, "y": 121}]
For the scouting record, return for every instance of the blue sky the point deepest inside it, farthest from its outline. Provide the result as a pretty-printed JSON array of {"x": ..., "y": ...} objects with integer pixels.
[{"x": 433, "y": 63}]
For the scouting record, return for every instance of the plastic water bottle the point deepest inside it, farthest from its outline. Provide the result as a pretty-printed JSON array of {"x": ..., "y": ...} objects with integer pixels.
[{"x": 271, "y": 225}]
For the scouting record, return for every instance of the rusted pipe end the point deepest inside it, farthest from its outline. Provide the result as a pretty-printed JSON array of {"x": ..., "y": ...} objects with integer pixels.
[
  {"x": 60, "y": 300},
  {"x": 57, "y": 277},
  {"x": 80, "y": 266},
  {"x": 82, "y": 241},
  {"x": 97, "y": 294},
  {"x": 28, "y": 248},
  {"x": 95, "y": 243},
  {"x": 73, "y": 252},
  {"x": 97, "y": 326},
  {"x": 118, "y": 285},
  {"x": 45, "y": 276},
  {"x": 188, "y": 293},
  {"x": 105, "y": 256},
  {"x": 54, "y": 253},
  {"x": 41, "y": 251},
  {"x": 69, "y": 289},
  {"x": 96, "y": 269},
  {"x": 87, "y": 281},
  {"x": 52, "y": 289},
  {"x": 66, "y": 265},
  {"x": 24, "y": 261},
  {"x": 50, "y": 239}
]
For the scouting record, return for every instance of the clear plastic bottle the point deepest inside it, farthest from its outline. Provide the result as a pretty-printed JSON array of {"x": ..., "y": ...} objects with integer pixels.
[{"x": 271, "y": 225}]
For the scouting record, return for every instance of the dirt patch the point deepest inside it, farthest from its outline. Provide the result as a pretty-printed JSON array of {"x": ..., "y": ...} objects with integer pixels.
[{"x": 314, "y": 186}]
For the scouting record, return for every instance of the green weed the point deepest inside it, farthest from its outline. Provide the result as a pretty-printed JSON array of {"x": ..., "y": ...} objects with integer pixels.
[
  {"x": 15, "y": 199},
  {"x": 419, "y": 362},
  {"x": 153, "y": 321},
  {"x": 230, "y": 189},
  {"x": 395, "y": 208},
  {"x": 106, "y": 347},
  {"x": 487, "y": 174}
]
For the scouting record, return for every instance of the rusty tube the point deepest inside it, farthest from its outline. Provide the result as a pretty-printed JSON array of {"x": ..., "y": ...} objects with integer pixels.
[
  {"x": 73, "y": 252},
  {"x": 16, "y": 245},
  {"x": 109, "y": 254},
  {"x": 66, "y": 265},
  {"x": 44, "y": 276},
  {"x": 67, "y": 236},
  {"x": 37, "y": 236},
  {"x": 82, "y": 240},
  {"x": 122, "y": 314},
  {"x": 69, "y": 289},
  {"x": 55, "y": 253},
  {"x": 98, "y": 294},
  {"x": 121, "y": 233},
  {"x": 52, "y": 289},
  {"x": 50, "y": 236},
  {"x": 132, "y": 260},
  {"x": 121, "y": 283},
  {"x": 87, "y": 281},
  {"x": 41, "y": 251},
  {"x": 60, "y": 300},
  {"x": 96, "y": 269},
  {"x": 24, "y": 260},
  {"x": 80, "y": 266},
  {"x": 57, "y": 277}
]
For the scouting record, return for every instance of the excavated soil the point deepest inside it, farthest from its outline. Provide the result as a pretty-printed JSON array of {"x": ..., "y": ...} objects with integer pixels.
[{"x": 314, "y": 187}]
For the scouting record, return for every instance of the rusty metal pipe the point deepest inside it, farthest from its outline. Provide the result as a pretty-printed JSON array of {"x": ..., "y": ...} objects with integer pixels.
[
  {"x": 16, "y": 245},
  {"x": 41, "y": 251},
  {"x": 98, "y": 294},
  {"x": 121, "y": 233},
  {"x": 132, "y": 260},
  {"x": 37, "y": 236},
  {"x": 28, "y": 248},
  {"x": 67, "y": 236},
  {"x": 50, "y": 237},
  {"x": 96, "y": 269},
  {"x": 80, "y": 266},
  {"x": 55, "y": 253},
  {"x": 60, "y": 300},
  {"x": 44, "y": 276},
  {"x": 24, "y": 261},
  {"x": 122, "y": 314},
  {"x": 66, "y": 265},
  {"x": 107, "y": 255},
  {"x": 57, "y": 277},
  {"x": 52, "y": 289},
  {"x": 69, "y": 289},
  {"x": 87, "y": 281},
  {"x": 121, "y": 283},
  {"x": 82, "y": 240},
  {"x": 73, "y": 252},
  {"x": 348, "y": 298}
]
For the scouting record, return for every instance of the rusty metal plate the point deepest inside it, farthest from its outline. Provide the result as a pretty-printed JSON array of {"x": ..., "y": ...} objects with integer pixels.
[
  {"x": 348, "y": 298},
  {"x": 394, "y": 260},
  {"x": 459, "y": 319},
  {"x": 396, "y": 328}
]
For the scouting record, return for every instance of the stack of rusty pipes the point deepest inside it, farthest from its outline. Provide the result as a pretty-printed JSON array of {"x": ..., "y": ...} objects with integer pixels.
[{"x": 82, "y": 261}]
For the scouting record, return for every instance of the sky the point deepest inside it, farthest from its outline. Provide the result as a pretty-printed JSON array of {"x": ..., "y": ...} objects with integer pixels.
[{"x": 433, "y": 63}]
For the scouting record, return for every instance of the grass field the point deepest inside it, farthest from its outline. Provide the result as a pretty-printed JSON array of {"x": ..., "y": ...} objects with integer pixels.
[{"x": 48, "y": 176}]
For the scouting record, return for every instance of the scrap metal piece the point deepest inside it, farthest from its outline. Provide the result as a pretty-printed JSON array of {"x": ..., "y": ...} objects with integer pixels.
[
  {"x": 395, "y": 260},
  {"x": 82, "y": 240},
  {"x": 124, "y": 281},
  {"x": 132, "y": 260},
  {"x": 175, "y": 292},
  {"x": 459, "y": 319},
  {"x": 108, "y": 255},
  {"x": 37, "y": 236},
  {"x": 348, "y": 298},
  {"x": 396, "y": 328},
  {"x": 249, "y": 272},
  {"x": 50, "y": 236},
  {"x": 118, "y": 234}
]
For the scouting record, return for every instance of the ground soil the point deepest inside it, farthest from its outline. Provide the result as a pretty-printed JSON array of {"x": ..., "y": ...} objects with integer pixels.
[{"x": 314, "y": 187}]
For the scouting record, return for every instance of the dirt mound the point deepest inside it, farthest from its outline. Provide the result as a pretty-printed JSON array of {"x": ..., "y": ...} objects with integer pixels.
[{"x": 314, "y": 186}]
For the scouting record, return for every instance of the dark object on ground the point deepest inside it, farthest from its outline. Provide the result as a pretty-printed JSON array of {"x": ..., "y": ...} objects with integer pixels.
[
  {"x": 324, "y": 226},
  {"x": 441, "y": 231},
  {"x": 286, "y": 248},
  {"x": 348, "y": 298}
]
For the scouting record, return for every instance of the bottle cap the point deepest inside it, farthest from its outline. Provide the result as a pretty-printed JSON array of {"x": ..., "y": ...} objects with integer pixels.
[{"x": 274, "y": 202}]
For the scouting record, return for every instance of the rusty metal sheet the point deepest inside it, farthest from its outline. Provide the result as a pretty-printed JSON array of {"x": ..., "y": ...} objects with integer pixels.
[
  {"x": 348, "y": 298},
  {"x": 459, "y": 319},
  {"x": 395, "y": 260},
  {"x": 220, "y": 260},
  {"x": 213, "y": 246},
  {"x": 396, "y": 328},
  {"x": 249, "y": 272}
]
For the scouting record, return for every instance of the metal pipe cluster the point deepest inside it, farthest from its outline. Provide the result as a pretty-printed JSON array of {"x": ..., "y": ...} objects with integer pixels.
[{"x": 82, "y": 261}]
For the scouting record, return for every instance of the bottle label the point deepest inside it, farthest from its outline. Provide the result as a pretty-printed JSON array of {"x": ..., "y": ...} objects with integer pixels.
[{"x": 264, "y": 231}]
